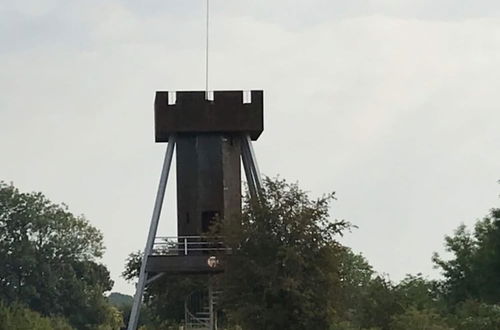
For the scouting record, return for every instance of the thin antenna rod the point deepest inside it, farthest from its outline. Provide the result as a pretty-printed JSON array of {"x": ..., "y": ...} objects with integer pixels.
[{"x": 206, "y": 51}]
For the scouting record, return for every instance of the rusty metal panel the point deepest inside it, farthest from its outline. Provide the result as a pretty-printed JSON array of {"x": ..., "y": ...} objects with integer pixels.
[
  {"x": 188, "y": 211},
  {"x": 192, "y": 113},
  {"x": 199, "y": 181},
  {"x": 208, "y": 180}
]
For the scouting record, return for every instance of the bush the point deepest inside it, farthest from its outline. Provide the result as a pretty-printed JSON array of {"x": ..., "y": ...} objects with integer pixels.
[
  {"x": 476, "y": 315},
  {"x": 414, "y": 319},
  {"x": 17, "y": 317}
]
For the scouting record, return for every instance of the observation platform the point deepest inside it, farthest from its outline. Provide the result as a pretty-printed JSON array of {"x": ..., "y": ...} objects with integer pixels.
[
  {"x": 189, "y": 112},
  {"x": 187, "y": 255}
]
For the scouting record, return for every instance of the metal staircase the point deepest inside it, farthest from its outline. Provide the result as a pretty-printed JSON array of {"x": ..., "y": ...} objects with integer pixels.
[{"x": 201, "y": 309}]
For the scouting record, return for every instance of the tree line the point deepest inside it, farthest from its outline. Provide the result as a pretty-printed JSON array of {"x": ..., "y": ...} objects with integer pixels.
[
  {"x": 50, "y": 273},
  {"x": 287, "y": 271}
]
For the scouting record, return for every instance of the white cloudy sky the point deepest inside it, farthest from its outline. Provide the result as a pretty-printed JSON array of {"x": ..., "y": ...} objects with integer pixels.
[{"x": 393, "y": 104}]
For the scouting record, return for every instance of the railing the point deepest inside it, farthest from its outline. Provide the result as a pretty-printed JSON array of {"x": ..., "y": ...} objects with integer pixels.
[
  {"x": 188, "y": 245},
  {"x": 194, "y": 322}
]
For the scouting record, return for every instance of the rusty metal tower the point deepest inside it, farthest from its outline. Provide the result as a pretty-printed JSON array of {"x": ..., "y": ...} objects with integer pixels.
[{"x": 212, "y": 134}]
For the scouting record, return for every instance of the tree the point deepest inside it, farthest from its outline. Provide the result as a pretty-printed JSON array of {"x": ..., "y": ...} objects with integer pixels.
[
  {"x": 415, "y": 319},
  {"x": 377, "y": 304},
  {"x": 284, "y": 272},
  {"x": 371, "y": 300},
  {"x": 367, "y": 300},
  {"x": 474, "y": 270},
  {"x": 416, "y": 292},
  {"x": 356, "y": 274},
  {"x": 475, "y": 315},
  {"x": 164, "y": 298},
  {"x": 285, "y": 269},
  {"x": 17, "y": 317},
  {"x": 49, "y": 259}
]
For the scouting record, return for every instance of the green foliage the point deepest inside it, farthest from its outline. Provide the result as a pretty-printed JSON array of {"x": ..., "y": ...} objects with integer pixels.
[
  {"x": 346, "y": 325},
  {"x": 288, "y": 272},
  {"x": 113, "y": 318},
  {"x": 284, "y": 273},
  {"x": 373, "y": 301},
  {"x": 160, "y": 326},
  {"x": 132, "y": 266},
  {"x": 474, "y": 315},
  {"x": 366, "y": 300},
  {"x": 355, "y": 274},
  {"x": 17, "y": 317},
  {"x": 49, "y": 259},
  {"x": 119, "y": 299},
  {"x": 146, "y": 316},
  {"x": 377, "y": 304},
  {"x": 164, "y": 298},
  {"x": 285, "y": 270},
  {"x": 416, "y": 292},
  {"x": 474, "y": 270},
  {"x": 415, "y": 319}
]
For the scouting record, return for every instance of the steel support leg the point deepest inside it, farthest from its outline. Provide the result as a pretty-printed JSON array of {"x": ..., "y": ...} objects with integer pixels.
[
  {"x": 252, "y": 171},
  {"x": 134, "y": 314},
  {"x": 245, "y": 157}
]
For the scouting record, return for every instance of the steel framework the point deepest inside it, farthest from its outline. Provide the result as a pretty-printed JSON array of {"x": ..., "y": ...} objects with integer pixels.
[{"x": 186, "y": 244}]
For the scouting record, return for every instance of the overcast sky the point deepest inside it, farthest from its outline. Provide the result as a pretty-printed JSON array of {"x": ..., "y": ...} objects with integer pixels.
[{"x": 393, "y": 104}]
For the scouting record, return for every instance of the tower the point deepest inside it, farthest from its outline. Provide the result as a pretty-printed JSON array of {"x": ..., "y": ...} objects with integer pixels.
[{"x": 211, "y": 135}]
